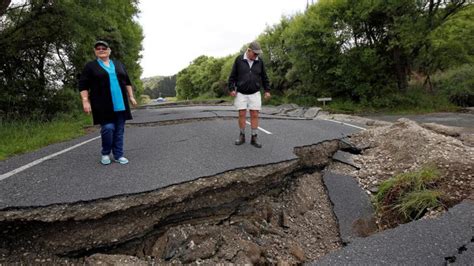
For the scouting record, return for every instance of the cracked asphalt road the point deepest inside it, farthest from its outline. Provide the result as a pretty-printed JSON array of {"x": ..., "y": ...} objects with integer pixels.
[{"x": 160, "y": 155}]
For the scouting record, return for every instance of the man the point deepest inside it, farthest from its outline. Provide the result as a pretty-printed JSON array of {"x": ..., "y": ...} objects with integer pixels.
[{"x": 247, "y": 77}]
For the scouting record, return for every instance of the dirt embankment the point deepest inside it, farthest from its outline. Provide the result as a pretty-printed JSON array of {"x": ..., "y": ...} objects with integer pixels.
[{"x": 406, "y": 146}]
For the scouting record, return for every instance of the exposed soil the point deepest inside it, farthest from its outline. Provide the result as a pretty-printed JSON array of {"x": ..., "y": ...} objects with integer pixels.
[
  {"x": 406, "y": 146},
  {"x": 293, "y": 225}
]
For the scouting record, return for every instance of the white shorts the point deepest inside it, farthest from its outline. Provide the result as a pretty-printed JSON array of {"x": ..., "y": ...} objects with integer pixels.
[{"x": 248, "y": 101}]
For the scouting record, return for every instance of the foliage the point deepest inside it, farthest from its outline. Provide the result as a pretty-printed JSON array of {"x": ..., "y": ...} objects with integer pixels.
[
  {"x": 20, "y": 136},
  {"x": 457, "y": 84},
  {"x": 201, "y": 77},
  {"x": 364, "y": 52},
  {"x": 45, "y": 44},
  {"x": 414, "y": 204},
  {"x": 407, "y": 196},
  {"x": 160, "y": 86},
  {"x": 276, "y": 57}
]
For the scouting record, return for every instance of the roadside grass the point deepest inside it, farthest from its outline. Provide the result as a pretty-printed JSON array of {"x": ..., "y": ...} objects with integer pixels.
[
  {"x": 407, "y": 197},
  {"x": 144, "y": 99},
  {"x": 205, "y": 98},
  {"x": 21, "y": 136},
  {"x": 415, "y": 101}
]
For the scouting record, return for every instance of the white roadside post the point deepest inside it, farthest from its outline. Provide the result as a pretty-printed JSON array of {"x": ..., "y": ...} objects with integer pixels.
[{"x": 324, "y": 100}]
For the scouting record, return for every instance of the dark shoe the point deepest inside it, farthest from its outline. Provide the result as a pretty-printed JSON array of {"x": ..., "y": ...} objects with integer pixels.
[
  {"x": 254, "y": 141},
  {"x": 240, "y": 140}
]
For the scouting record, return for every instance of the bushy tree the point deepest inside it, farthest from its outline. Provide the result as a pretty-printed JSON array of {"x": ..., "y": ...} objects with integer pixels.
[
  {"x": 362, "y": 50},
  {"x": 160, "y": 86},
  {"x": 45, "y": 44},
  {"x": 276, "y": 55},
  {"x": 201, "y": 77}
]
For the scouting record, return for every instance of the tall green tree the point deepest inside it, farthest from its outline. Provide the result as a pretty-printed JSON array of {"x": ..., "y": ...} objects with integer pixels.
[
  {"x": 276, "y": 55},
  {"x": 201, "y": 77},
  {"x": 160, "y": 86},
  {"x": 44, "y": 45},
  {"x": 365, "y": 49}
]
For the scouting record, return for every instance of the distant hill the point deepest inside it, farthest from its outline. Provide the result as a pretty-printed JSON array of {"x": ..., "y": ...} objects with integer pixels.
[{"x": 160, "y": 86}]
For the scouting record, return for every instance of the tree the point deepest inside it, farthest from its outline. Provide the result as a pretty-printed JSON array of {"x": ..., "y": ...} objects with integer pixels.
[
  {"x": 44, "y": 45},
  {"x": 160, "y": 86},
  {"x": 361, "y": 49},
  {"x": 3, "y": 6},
  {"x": 201, "y": 77},
  {"x": 276, "y": 55}
]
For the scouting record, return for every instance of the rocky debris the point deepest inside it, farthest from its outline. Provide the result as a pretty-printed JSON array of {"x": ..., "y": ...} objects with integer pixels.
[
  {"x": 469, "y": 110},
  {"x": 463, "y": 134},
  {"x": 292, "y": 110},
  {"x": 105, "y": 259},
  {"x": 406, "y": 146},
  {"x": 467, "y": 139},
  {"x": 355, "y": 119},
  {"x": 255, "y": 234},
  {"x": 445, "y": 130},
  {"x": 312, "y": 112},
  {"x": 317, "y": 157},
  {"x": 345, "y": 157}
]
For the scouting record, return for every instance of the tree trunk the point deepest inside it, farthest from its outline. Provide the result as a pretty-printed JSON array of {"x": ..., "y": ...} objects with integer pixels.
[
  {"x": 3, "y": 6},
  {"x": 427, "y": 84},
  {"x": 400, "y": 69}
]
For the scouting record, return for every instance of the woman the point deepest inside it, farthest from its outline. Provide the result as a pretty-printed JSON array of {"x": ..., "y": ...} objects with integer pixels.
[{"x": 104, "y": 86}]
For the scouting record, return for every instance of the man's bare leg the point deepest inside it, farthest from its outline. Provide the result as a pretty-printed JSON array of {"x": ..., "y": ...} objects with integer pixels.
[
  {"x": 254, "y": 126},
  {"x": 242, "y": 118}
]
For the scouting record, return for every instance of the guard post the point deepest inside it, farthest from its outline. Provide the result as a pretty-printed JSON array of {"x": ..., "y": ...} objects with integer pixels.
[{"x": 324, "y": 100}]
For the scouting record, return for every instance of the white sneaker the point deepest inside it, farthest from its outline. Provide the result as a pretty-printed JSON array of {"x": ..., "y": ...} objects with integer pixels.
[
  {"x": 105, "y": 160},
  {"x": 122, "y": 160}
]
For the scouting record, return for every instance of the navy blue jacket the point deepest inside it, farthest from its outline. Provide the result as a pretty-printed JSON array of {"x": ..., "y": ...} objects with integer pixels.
[{"x": 248, "y": 80}]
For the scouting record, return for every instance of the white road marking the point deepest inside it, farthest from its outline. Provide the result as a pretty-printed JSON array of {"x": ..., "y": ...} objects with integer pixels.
[
  {"x": 347, "y": 124},
  {"x": 26, "y": 166},
  {"x": 29, "y": 165},
  {"x": 261, "y": 129}
]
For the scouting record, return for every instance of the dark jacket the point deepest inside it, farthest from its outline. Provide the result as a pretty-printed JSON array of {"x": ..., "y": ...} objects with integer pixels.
[
  {"x": 248, "y": 80},
  {"x": 96, "y": 80}
]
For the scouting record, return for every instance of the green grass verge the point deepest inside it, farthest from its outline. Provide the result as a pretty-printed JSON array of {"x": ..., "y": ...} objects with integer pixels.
[
  {"x": 406, "y": 197},
  {"x": 17, "y": 137},
  {"x": 171, "y": 99},
  {"x": 416, "y": 100}
]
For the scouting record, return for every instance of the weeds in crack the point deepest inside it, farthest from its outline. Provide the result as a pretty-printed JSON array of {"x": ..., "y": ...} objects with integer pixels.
[{"x": 408, "y": 196}]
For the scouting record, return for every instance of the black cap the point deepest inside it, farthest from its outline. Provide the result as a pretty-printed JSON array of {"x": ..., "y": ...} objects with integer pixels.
[{"x": 103, "y": 43}]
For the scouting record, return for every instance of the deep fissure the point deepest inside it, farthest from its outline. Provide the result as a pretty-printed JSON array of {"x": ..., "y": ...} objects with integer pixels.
[{"x": 243, "y": 204}]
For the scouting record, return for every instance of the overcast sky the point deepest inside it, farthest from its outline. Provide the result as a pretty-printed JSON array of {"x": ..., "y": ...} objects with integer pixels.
[{"x": 176, "y": 32}]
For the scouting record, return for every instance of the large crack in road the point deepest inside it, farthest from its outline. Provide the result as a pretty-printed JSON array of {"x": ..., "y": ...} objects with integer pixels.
[{"x": 264, "y": 214}]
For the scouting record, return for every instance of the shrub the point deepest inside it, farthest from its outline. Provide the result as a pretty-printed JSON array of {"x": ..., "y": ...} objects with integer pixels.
[{"x": 457, "y": 84}]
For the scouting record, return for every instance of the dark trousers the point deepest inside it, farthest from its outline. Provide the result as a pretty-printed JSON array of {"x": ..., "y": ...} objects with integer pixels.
[{"x": 112, "y": 136}]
